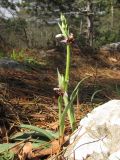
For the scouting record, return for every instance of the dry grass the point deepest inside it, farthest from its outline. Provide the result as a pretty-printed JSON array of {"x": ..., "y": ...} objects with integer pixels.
[{"x": 28, "y": 96}]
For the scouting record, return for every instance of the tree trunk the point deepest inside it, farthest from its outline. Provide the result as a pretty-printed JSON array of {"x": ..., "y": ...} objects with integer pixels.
[
  {"x": 81, "y": 26},
  {"x": 90, "y": 22},
  {"x": 112, "y": 14}
]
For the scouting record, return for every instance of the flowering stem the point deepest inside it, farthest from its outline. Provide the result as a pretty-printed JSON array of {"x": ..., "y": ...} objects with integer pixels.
[
  {"x": 66, "y": 101},
  {"x": 61, "y": 127},
  {"x": 67, "y": 72}
]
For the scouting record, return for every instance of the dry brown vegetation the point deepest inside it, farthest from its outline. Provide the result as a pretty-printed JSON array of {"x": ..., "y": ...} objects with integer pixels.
[{"x": 27, "y": 96}]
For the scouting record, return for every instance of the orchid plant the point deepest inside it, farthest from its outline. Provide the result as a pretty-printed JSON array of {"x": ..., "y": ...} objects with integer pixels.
[{"x": 65, "y": 102}]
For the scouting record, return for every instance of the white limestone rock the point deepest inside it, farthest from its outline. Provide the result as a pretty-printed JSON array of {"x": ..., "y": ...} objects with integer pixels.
[{"x": 98, "y": 136}]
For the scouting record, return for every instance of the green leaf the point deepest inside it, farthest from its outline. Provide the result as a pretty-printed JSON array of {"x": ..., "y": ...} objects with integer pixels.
[
  {"x": 64, "y": 26},
  {"x": 36, "y": 139},
  {"x": 7, "y": 156},
  {"x": 6, "y": 146},
  {"x": 43, "y": 132},
  {"x": 41, "y": 144},
  {"x": 22, "y": 136},
  {"x": 72, "y": 98},
  {"x": 62, "y": 30},
  {"x": 61, "y": 81}
]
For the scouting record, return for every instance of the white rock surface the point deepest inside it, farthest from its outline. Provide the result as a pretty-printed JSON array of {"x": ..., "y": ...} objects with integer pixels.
[{"x": 98, "y": 136}]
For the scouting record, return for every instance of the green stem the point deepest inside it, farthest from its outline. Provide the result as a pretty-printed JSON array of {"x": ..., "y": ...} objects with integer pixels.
[
  {"x": 61, "y": 126},
  {"x": 66, "y": 101},
  {"x": 67, "y": 72}
]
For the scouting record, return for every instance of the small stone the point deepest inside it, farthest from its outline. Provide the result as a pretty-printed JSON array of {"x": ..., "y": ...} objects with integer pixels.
[{"x": 6, "y": 63}]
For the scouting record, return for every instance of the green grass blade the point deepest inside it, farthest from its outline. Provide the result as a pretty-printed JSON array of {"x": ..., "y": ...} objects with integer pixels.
[
  {"x": 93, "y": 95},
  {"x": 117, "y": 88},
  {"x": 77, "y": 86}
]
